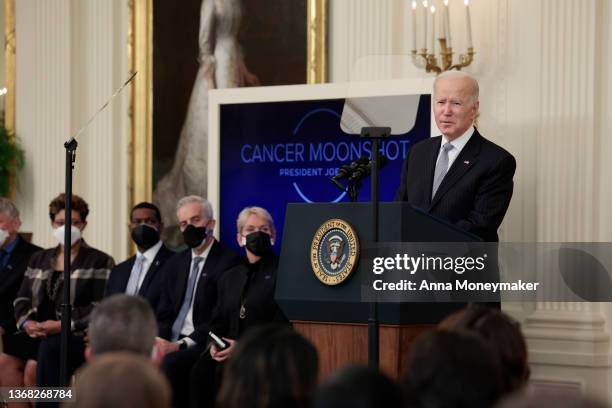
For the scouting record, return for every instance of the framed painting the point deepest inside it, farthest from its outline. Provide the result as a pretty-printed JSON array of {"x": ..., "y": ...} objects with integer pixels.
[
  {"x": 7, "y": 78},
  {"x": 182, "y": 49}
]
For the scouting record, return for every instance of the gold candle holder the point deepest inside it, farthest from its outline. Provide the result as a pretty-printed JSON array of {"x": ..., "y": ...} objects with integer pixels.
[{"x": 430, "y": 63}]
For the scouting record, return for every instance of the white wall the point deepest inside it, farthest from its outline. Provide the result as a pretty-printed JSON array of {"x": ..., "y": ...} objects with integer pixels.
[
  {"x": 71, "y": 55},
  {"x": 545, "y": 96}
]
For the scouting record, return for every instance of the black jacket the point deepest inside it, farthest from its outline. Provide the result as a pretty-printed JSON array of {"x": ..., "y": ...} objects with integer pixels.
[
  {"x": 88, "y": 274},
  {"x": 176, "y": 273},
  {"x": 253, "y": 286},
  {"x": 474, "y": 194},
  {"x": 151, "y": 287},
  {"x": 10, "y": 281}
]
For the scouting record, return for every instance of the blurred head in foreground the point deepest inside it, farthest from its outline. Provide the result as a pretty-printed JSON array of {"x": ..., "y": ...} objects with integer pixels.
[
  {"x": 502, "y": 334},
  {"x": 121, "y": 380},
  {"x": 273, "y": 366}
]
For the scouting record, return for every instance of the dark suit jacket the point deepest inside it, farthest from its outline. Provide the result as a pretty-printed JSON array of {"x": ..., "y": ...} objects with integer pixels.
[
  {"x": 176, "y": 274},
  {"x": 254, "y": 285},
  {"x": 11, "y": 277},
  {"x": 474, "y": 194},
  {"x": 151, "y": 287}
]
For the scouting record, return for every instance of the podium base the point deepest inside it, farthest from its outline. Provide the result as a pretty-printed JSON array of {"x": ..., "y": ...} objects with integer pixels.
[{"x": 339, "y": 344}]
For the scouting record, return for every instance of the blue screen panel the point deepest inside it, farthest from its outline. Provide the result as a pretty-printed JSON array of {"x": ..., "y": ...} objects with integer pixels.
[{"x": 275, "y": 153}]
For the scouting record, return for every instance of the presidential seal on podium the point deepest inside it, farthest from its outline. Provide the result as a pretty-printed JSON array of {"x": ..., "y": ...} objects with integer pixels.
[{"x": 334, "y": 251}]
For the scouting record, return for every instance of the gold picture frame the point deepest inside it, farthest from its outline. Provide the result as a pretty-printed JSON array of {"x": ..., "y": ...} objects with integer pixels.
[
  {"x": 9, "y": 67},
  {"x": 140, "y": 56}
]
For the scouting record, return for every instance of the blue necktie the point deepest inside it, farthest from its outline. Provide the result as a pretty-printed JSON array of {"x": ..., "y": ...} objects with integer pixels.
[
  {"x": 132, "y": 285},
  {"x": 182, "y": 314}
]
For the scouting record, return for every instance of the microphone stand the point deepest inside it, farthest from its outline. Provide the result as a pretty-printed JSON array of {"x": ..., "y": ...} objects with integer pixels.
[
  {"x": 374, "y": 134},
  {"x": 66, "y": 308},
  {"x": 70, "y": 146}
]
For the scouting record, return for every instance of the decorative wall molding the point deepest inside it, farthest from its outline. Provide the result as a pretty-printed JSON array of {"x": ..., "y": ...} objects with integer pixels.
[
  {"x": 565, "y": 385},
  {"x": 566, "y": 132},
  {"x": 43, "y": 103},
  {"x": 71, "y": 56},
  {"x": 363, "y": 36}
]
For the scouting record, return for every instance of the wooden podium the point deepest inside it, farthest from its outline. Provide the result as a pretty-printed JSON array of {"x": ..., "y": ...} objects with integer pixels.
[
  {"x": 340, "y": 344},
  {"x": 334, "y": 318}
]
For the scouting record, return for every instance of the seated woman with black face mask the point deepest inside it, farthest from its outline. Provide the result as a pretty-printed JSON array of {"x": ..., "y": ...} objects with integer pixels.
[{"x": 246, "y": 300}]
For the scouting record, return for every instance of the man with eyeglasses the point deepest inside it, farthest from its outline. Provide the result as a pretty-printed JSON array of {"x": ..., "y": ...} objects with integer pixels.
[{"x": 138, "y": 275}]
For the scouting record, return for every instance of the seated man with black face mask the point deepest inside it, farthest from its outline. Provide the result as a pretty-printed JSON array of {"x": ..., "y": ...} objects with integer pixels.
[
  {"x": 189, "y": 293},
  {"x": 246, "y": 300},
  {"x": 140, "y": 274}
]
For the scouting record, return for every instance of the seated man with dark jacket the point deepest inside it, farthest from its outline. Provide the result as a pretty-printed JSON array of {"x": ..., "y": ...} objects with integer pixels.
[
  {"x": 190, "y": 293},
  {"x": 141, "y": 273},
  {"x": 15, "y": 253}
]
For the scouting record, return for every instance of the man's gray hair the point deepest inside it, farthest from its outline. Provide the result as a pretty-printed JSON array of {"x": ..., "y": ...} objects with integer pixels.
[
  {"x": 206, "y": 206},
  {"x": 460, "y": 75},
  {"x": 8, "y": 207},
  {"x": 122, "y": 323}
]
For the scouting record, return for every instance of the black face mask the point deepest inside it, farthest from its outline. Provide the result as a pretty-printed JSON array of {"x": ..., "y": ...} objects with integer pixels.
[
  {"x": 145, "y": 236},
  {"x": 258, "y": 243},
  {"x": 193, "y": 236}
]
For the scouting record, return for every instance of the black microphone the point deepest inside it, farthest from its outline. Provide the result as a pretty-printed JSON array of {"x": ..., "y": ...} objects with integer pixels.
[
  {"x": 364, "y": 170},
  {"x": 346, "y": 171}
]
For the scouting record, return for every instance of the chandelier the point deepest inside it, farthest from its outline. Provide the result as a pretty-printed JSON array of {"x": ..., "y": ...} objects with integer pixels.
[{"x": 426, "y": 57}]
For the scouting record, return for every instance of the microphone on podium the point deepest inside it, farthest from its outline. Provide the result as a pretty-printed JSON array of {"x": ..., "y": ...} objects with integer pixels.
[
  {"x": 364, "y": 170},
  {"x": 347, "y": 170}
]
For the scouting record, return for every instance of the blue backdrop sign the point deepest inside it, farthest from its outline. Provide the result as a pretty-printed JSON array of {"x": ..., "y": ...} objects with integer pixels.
[{"x": 275, "y": 153}]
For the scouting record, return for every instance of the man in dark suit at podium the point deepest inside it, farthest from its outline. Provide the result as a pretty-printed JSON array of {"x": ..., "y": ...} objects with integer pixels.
[
  {"x": 140, "y": 274},
  {"x": 460, "y": 177}
]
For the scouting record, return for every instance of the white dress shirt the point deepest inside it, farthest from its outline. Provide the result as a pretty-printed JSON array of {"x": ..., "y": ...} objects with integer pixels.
[
  {"x": 188, "y": 326},
  {"x": 458, "y": 145},
  {"x": 149, "y": 256}
]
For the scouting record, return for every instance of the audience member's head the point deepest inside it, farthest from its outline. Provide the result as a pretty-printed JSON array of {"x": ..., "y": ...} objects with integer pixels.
[
  {"x": 273, "y": 366},
  {"x": 504, "y": 336},
  {"x": 79, "y": 205},
  {"x": 145, "y": 225},
  {"x": 122, "y": 323},
  {"x": 539, "y": 399},
  {"x": 196, "y": 221},
  {"x": 79, "y": 213},
  {"x": 256, "y": 232},
  {"x": 9, "y": 221},
  {"x": 121, "y": 380},
  {"x": 357, "y": 387},
  {"x": 451, "y": 369}
]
